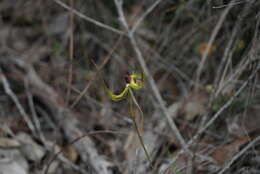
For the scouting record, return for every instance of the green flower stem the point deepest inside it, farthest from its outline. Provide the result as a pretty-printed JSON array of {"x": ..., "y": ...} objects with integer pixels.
[{"x": 132, "y": 99}]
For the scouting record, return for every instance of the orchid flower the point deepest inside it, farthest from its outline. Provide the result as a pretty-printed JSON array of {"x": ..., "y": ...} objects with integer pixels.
[{"x": 133, "y": 81}]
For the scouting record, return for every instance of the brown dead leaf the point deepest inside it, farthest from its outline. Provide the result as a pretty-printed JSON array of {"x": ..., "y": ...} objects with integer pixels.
[
  {"x": 171, "y": 9},
  {"x": 137, "y": 10},
  {"x": 225, "y": 152},
  {"x": 203, "y": 47},
  {"x": 246, "y": 123},
  {"x": 194, "y": 105},
  {"x": 167, "y": 85}
]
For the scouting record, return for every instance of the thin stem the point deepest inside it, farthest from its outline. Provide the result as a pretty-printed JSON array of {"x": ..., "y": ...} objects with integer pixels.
[
  {"x": 71, "y": 51},
  {"x": 132, "y": 99},
  {"x": 136, "y": 103}
]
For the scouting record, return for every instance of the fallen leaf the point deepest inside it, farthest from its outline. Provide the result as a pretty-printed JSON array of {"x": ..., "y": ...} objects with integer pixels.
[
  {"x": 245, "y": 123},
  {"x": 203, "y": 48},
  {"x": 194, "y": 105},
  {"x": 224, "y": 152}
]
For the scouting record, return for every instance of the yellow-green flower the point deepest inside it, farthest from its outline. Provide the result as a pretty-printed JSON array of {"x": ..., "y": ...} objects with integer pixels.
[{"x": 133, "y": 81}]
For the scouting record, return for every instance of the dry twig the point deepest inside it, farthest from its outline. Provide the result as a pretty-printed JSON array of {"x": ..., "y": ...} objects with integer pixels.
[
  {"x": 146, "y": 13},
  {"x": 108, "y": 57},
  {"x": 64, "y": 116},
  {"x": 71, "y": 51},
  {"x": 12, "y": 95},
  {"x": 97, "y": 23},
  {"x": 210, "y": 43},
  {"x": 214, "y": 117},
  {"x": 147, "y": 73},
  {"x": 239, "y": 154}
]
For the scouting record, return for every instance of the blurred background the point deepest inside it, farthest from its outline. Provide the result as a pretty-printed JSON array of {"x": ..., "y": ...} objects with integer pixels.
[{"x": 200, "y": 102}]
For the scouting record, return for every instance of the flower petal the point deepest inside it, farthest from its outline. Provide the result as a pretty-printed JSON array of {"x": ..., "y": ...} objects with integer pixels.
[{"x": 118, "y": 97}]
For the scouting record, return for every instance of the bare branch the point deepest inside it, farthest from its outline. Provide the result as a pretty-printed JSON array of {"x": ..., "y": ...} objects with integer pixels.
[
  {"x": 211, "y": 40},
  {"x": 12, "y": 95},
  {"x": 148, "y": 74},
  {"x": 214, "y": 117},
  {"x": 239, "y": 154},
  {"x": 146, "y": 13},
  {"x": 97, "y": 23}
]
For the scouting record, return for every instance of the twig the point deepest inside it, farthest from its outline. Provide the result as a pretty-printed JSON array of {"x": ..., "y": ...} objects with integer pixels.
[
  {"x": 64, "y": 116},
  {"x": 98, "y": 69},
  {"x": 33, "y": 112},
  {"x": 78, "y": 139},
  {"x": 227, "y": 166},
  {"x": 215, "y": 116},
  {"x": 224, "y": 80},
  {"x": 149, "y": 77},
  {"x": 79, "y": 14},
  {"x": 71, "y": 50},
  {"x": 146, "y": 13},
  {"x": 223, "y": 67},
  {"x": 210, "y": 43},
  {"x": 232, "y": 4},
  {"x": 11, "y": 94}
]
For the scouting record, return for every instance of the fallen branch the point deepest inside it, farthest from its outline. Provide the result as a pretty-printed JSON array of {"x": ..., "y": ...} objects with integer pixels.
[{"x": 64, "y": 116}]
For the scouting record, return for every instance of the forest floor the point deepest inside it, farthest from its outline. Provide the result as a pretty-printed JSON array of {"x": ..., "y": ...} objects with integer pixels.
[{"x": 195, "y": 99}]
